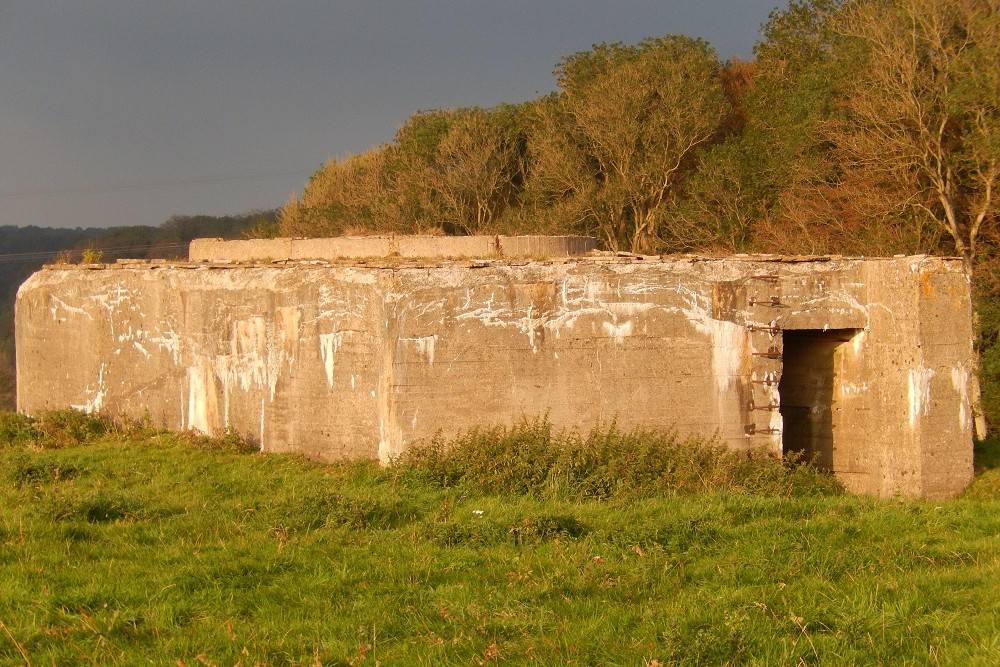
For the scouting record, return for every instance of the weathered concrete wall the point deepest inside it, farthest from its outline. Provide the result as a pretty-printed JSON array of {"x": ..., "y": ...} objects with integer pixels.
[
  {"x": 359, "y": 247},
  {"x": 342, "y": 361}
]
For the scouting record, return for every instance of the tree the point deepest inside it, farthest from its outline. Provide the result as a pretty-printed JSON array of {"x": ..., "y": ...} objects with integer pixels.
[
  {"x": 626, "y": 126},
  {"x": 723, "y": 196},
  {"x": 920, "y": 137},
  {"x": 774, "y": 177},
  {"x": 479, "y": 167},
  {"x": 347, "y": 196},
  {"x": 454, "y": 169}
]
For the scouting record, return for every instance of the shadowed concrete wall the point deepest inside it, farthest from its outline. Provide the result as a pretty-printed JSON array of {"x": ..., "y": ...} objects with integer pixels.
[{"x": 348, "y": 361}]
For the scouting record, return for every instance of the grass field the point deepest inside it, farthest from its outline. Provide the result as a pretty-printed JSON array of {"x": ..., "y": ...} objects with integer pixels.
[{"x": 131, "y": 547}]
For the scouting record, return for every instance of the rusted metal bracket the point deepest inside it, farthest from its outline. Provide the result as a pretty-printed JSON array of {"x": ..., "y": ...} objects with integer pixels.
[
  {"x": 751, "y": 429},
  {"x": 772, "y": 353},
  {"x": 770, "y": 407},
  {"x": 766, "y": 382},
  {"x": 763, "y": 327},
  {"x": 771, "y": 302}
]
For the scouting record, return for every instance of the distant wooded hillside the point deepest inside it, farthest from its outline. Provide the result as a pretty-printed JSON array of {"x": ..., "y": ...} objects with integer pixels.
[{"x": 23, "y": 250}]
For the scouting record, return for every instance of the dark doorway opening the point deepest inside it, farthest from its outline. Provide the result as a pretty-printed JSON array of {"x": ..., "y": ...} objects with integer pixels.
[{"x": 807, "y": 392}]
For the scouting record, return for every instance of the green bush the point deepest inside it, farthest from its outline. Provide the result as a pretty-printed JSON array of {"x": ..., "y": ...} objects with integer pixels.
[
  {"x": 70, "y": 427},
  {"x": 17, "y": 430},
  {"x": 51, "y": 429}
]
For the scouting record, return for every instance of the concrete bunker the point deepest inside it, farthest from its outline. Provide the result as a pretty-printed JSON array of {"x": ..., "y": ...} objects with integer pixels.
[{"x": 359, "y": 348}]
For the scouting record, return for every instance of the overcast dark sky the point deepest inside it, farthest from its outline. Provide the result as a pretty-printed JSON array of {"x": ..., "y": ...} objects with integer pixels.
[{"x": 130, "y": 111}]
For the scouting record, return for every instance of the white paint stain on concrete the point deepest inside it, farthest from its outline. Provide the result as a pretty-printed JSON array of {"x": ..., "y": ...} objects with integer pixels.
[
  {"x": 60, "y": 309},
  {"x": 730, "y": 345},
  {"x": 858, "y": 342},
  {"x": 256, "y": 356},
  {"x": 581, "y": 298},
  {"x": 576, "y": 298},
  {"x": 617, "y": 332},
  {"x": 960, "y": 382},
  {"x": 263, "y": 424},
  {"x": 203, "y": 408},
  {"x": 168, "y": 341},
  {"x": 423, "y": 345},
  {"x": 114, "y": 298},
  {"x": 329, "y": 344},
  {"x": 96, "y": 394},
  {"x": 854, "y": 389},
  {"x": 287, "y": 322},
  {"x": 919, "y": 393}
]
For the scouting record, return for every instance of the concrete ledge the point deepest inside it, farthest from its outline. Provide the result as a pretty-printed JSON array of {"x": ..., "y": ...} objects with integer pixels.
[{"x": 357, "y": 247}]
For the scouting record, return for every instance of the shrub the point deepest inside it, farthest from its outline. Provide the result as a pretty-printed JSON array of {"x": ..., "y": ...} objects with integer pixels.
[
  {"x": 51, "y": 429},
  {"x": 225, "y": 440},
  {"x": 91, "y": 256},
  {"x": 17, "y": 430},
  {"x": 71, "y": 427}
]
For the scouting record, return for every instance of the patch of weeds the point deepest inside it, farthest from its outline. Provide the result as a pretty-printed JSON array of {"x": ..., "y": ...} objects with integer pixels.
[
  {"x": 101, "y": 507},
  {"x": 545, "y": 528},
  {"x": 62, "y": 428},
  {"x": 18, "y": 430},
  {"x": 77, "y": 533},
  {"x": 986, "y": 456},
  {"x": 364, "y": 513},
  {"x": 136, "y": 428},
  {"x": 483, "y": 532},
  {"x": 223, "y": 441},
  {"x": 91, "y": 256},
  {"x": 704, "y": 642},
  {"x": 27, "y": 470},
  {"x": 454, "y": 533},
  {"x": 55, "y": 429},
  {"x": 531, "y": 458},
  {"x": 676, "y": 535},
  {"x": 336, "y": 510}
]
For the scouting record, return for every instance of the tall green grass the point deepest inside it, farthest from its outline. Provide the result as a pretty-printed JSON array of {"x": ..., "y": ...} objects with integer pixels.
[
  {"x": 137, "y": 547},
  {"x": 534, "y": 458},
  {"x": 55, "y": 428}
]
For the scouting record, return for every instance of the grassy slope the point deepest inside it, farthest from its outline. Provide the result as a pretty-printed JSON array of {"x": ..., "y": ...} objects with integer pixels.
[{"x": 149, "y": 550}]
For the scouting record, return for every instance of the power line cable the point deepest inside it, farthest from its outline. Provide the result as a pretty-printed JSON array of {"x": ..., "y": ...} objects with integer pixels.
[
  {"x": 151, "y": 185},
  {"x": 121, "y": 250}
]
